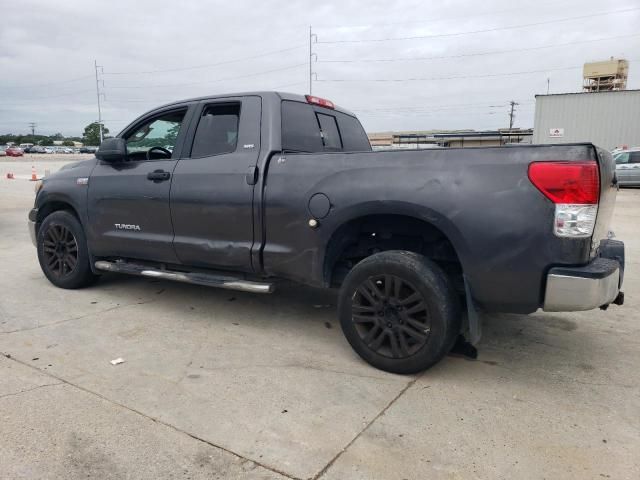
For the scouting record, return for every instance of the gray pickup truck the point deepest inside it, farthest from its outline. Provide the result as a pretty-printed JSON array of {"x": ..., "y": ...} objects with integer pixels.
[{"x": 236, "y": 191}]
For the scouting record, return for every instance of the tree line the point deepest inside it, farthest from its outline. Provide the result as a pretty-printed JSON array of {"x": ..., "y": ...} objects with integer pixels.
[{"x": 91, "y": 136}]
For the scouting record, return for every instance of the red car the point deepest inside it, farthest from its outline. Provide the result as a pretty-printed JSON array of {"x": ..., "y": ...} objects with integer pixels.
[{"x": 14, "y": 152}]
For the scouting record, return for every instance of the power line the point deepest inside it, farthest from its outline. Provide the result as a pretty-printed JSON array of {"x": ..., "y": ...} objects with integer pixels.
[
  {"x": 471, "y": 32},
  {"x": 290, "y": 67},
  {"x": 208, "y": 65},
  {"x": 194, "y": 67},
  {"x": 438, "y": 107},
  {"x": 493, "y": 52},
  {"x": 48, "y": 84},
  {"x": 454, "y": 77},
  {"x": 438, "y": 19},
  {"x": 70, "y": 94},
  {"x": 277, "y": 87}
]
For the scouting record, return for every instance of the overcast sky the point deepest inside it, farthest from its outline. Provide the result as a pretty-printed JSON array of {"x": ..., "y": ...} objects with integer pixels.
[{"x": 487, "y": 53}]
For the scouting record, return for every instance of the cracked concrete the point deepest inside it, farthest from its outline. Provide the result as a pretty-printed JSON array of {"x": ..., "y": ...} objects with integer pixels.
[{"x": 233, "y": 385}]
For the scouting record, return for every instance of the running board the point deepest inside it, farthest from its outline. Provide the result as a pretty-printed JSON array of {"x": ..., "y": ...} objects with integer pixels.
[{"x": 207, "y": 279}]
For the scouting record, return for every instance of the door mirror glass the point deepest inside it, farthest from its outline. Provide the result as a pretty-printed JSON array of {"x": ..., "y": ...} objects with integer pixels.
[{"x": 112, "y": 150}]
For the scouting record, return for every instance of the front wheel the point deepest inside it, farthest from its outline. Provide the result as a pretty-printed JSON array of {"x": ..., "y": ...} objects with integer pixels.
[
  {"x": 399, "y": 311},
  {"x": 62, "y": 251}
]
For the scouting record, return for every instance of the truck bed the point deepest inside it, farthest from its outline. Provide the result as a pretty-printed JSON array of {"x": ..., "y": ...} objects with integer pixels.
[{"x": 479, "y": 198}]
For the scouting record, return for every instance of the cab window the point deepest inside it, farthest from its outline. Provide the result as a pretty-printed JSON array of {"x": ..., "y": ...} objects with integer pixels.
[
  {"x": 155, "y": 139},
  {"x": 217, "y": 131}
]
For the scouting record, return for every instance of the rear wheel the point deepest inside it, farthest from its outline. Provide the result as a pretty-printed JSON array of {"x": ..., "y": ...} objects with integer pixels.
[
  {"x": 62, "y": 251},
  {"x": 399, "y": 311}
]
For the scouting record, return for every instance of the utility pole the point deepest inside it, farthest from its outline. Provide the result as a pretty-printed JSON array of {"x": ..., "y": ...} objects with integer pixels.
[
  {"x": 548, "y": 82},
  {"x": 33, "y": 126},
  {"x": 512, "y": 113},
  {"x": 312, "y": 37},
  {"x": 95, "y": 62}
]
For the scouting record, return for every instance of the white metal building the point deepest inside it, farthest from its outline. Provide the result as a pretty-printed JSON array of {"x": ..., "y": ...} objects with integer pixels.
[{"x": 608, "y": 119}]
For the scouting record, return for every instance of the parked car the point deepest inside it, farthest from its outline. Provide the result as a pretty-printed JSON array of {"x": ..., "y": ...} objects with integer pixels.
[
  {"x": 49, "y": 150},
  {"x": 37, "y": 149},
  {"x": 2, "y": 150},
  {"x": 66, "y": 150},
  {"x": 628, "y": 166},
  {"x": 88, "y": 149},
  {"x": 14, "y": 152},
  {"x": 267, "y": 185}
]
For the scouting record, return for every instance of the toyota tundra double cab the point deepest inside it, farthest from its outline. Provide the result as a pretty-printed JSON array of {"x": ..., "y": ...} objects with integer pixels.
[{"x": 236, "y": 191}]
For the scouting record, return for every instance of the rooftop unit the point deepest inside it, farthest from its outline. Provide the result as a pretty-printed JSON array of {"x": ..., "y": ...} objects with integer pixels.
[{"x": 608, "y": 75}]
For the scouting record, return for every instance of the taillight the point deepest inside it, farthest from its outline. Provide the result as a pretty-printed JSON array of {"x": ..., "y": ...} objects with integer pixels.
[
  {"x": 574, "y": 188},
  {"x": 323, "y": 102}
]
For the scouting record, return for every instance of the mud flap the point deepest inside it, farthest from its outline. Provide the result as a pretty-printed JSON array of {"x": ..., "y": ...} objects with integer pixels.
[{"x": 473, "y": 319}]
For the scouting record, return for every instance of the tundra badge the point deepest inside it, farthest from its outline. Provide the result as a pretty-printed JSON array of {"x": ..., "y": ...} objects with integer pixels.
[{"x": 124, "y": 226}]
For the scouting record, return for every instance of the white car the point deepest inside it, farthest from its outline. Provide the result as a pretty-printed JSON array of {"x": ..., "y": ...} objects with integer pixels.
[
  {"x": 49, "y": 150},
  {"x": 2, "y": 151},
  {"x": 627, "y": 166}
]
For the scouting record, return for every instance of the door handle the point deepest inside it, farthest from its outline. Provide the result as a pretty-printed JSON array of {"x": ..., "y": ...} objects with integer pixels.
[
  {"x": 252, "y": 175},
  {"x": 158, "y": 176}
]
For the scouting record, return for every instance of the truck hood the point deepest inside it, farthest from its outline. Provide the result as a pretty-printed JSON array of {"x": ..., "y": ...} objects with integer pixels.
[{"x": 83, "y": 163}]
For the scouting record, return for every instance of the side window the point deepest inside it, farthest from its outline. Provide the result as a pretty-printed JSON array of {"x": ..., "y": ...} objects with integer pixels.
[
  {"x": 622, "y": 158},
  {"x": 354, "y": 138},
  {"x": 329, "y": 130},
  {"x": 161, "y": 132},
  {"x": 634, "y": 157},
  {"x": 217, "y": 131},
  {"x": 300, "y": 130}
]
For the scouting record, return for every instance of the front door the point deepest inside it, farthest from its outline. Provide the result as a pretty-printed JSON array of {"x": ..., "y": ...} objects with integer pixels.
[
  {"x": 129, "y": 201},
  {"x": 212, "y": 190}
]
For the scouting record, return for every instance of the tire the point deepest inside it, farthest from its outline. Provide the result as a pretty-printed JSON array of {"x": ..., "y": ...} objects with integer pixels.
[
  {"x": 399, "y": 311},
  {"x": 63, "y": 252}
]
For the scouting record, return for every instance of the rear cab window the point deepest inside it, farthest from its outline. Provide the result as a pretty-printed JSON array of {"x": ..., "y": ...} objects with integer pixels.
[{"x": 310, "y": 129}]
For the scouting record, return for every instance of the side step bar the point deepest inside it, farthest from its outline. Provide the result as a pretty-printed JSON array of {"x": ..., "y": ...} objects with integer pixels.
[{"x": 207, "y": 279}]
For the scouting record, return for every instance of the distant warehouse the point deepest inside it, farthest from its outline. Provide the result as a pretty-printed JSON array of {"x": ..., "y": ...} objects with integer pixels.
[{"x": 607, "y": 119}]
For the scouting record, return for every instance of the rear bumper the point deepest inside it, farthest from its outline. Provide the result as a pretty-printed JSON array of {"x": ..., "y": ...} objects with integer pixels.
[{"x": 594, "y": 285}]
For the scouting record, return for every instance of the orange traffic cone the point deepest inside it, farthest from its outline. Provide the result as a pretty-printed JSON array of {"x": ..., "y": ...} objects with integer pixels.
[{"x": 34, "y": 177}]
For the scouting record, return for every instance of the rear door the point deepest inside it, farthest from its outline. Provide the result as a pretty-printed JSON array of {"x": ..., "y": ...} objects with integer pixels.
[
  {"x": 128, "y": 201},
  {"x": 213, "y": 185}
]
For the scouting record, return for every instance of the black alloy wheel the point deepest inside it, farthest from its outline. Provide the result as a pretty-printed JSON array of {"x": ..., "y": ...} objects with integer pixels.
[
  {"x": 399, "y": 311},
  {"x": 60, "y": 250},
  {"x": 391, "y": 316},
  {"x": 63, "y": 252}
]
